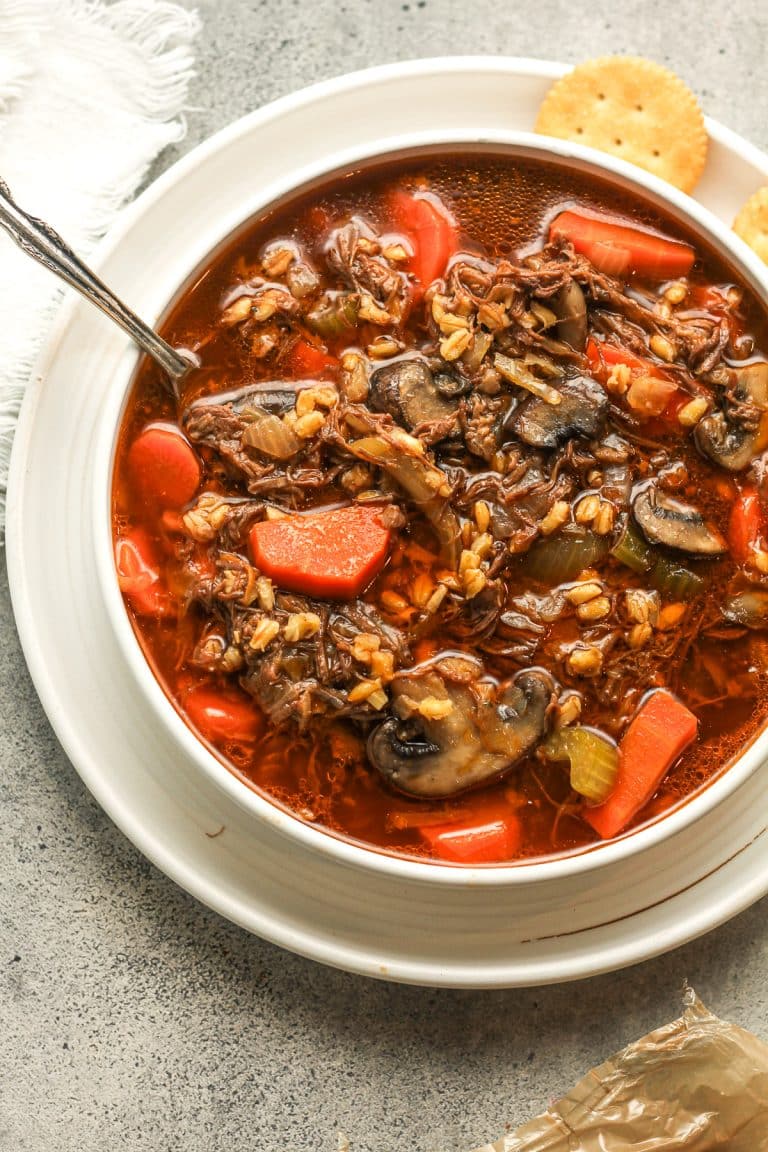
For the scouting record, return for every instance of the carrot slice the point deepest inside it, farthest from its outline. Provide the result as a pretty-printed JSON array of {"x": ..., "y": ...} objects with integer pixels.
[
  {"x": 332, "y": 554},
  {"x": 484, "y": 841},
  {"x": 620, "y": 250},
  {"x": 650, "y": 393},
  {"x": 745, "y": 525},
  {"x": 430, "y": 230},
  {"x": 223, "y": 716},
  {"x": 163, "y": 467},
  {"x": 602, "y": 355},
  {"x": 660, "y": 731},
  {"x": 138, "y": 574},
  {"x": 307, "y": 361}
]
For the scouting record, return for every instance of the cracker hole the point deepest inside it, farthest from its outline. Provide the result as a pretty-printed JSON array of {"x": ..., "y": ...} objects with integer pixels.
[
  {"x": 579, "y": 131},
  {"x": 617, "y": 142},
  {"x": 656, "y": 152},
  {"x": 601, "y": 95},
  {"x": 638, "y": 107}
]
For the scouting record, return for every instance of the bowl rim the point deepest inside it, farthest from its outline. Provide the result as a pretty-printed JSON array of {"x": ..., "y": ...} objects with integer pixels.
[{"x": 316, "y": 838}]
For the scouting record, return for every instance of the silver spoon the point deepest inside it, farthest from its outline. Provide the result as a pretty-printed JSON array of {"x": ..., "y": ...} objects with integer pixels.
[{"x": 43, "y": 244}]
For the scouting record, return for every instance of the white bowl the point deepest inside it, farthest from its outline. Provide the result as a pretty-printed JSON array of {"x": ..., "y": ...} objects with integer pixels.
[
  {"x": 241, "y": 855},
  {"x": 179, "y": 270}
]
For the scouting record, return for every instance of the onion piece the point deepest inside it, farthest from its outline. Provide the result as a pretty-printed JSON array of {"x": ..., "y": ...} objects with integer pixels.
[
  {"x": 475, "y": 354},
  {"x": 547, "y": 366},
  {"x": 302, "y": 280},
  {"x": 516, "y": 372},
  {"x": 425, "y": 484},
  {"x": 270, "y": 436},
  {"x": 594, "y": 760}
]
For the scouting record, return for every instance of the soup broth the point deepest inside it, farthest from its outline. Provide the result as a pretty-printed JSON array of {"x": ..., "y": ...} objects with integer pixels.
[{"x": 453, "y": 542}]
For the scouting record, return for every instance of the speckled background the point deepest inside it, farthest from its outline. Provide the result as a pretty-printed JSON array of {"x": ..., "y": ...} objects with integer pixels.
[{"x": 130, "y": 1016}]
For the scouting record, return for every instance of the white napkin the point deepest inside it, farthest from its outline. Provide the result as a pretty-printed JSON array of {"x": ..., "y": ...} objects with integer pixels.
[{"x": 90, "y": 92}]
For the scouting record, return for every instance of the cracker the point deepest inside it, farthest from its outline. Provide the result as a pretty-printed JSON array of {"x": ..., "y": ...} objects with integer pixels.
[
  {"x": 751, "y": 223},
  {"x": 633, "y": 108}
]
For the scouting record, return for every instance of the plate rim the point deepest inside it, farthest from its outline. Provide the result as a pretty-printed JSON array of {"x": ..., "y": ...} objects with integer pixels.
[{"x": 46, "y": 689}]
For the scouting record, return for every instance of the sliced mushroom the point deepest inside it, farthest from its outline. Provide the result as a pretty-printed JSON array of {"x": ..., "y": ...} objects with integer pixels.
[
  {"x": 727, "y": 437},
  {"x": 423, "y": 482},
  {"x": 671, "y": 522},
  {"x": 450, "y": 385},
  {"x": 409, "y": 392},
  {"x": 749, "y": 608},
  {"x": 484, "y": 734},
  {"x": 570, "y": 307},
  {"x": 582, "y": 406},
  {"x": 275, "y": 396}
]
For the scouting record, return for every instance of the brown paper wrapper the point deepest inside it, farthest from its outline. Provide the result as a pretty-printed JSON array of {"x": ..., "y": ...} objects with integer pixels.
[{"x": 698, "y": 1084}]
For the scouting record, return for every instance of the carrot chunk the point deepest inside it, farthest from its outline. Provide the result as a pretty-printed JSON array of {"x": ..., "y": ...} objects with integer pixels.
[
  {"x": 138, "y": 573},
  {"x": 484, "y": 841},
  {"x": 659, "y": 733},
  {"x": 650, "y": 392},
  {"x": 430, "y": 230},
  {"x": 221, "y": 715},
  {"x": 619, "y": 250},
  {"x": 307, "y": 361},
  {"x": 164, "y": 468},
  {"x": 332, "y": 554},
  {"x": 746, "y": 525}
]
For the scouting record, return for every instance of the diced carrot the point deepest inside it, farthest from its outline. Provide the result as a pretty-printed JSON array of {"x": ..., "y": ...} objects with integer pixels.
[
  {"x": 163, "y": 467},
  {"x": 425, "y": 649},
  {"x": 650, "y": 392},
  {"x": 306, "y": 361},
  {"x": 486, "y": 840},
  {"x": 138, "y": 574},
  {"x": 708, "y": 297},
  {"x": 677, "y": 401},
  {"x": 404, "y": 819},
  {"x": 603, "y": 355},
  {"x": 658, "y": 734},
  {"x": 746, "y": 525},
  {"x": 620, "y": 250},
  {"x": 430, "y": 230},
  {"x": 333, "y": 554},
  {"x": 223, "y": 716}
]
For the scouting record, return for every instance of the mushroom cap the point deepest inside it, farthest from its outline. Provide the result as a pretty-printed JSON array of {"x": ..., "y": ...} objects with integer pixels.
[
  {"x": 484, "y": 734},
  {"x": 570, "y": 306},
  {"x": 407, "y": 390},
  {"x": 582, "y": 406},
  {"x": 675, "y": 524}
]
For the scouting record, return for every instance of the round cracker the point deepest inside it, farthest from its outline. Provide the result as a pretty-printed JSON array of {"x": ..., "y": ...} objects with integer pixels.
[
  {"x": 633, "y": 108},
  {"x": 751, "y": 223}
]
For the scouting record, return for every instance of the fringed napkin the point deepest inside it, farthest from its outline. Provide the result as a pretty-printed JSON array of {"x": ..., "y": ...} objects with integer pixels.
[{"x": 90, "y": 92}]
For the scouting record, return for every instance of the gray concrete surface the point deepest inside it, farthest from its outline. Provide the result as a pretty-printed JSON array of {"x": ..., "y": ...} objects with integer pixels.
[{"x": 130, "y": 1016}]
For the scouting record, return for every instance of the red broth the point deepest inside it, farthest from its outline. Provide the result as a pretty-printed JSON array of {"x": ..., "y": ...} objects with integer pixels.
[{"x": 550, "y": 517}]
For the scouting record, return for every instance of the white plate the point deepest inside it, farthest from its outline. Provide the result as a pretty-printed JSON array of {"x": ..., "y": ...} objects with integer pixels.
[{"x": 405, "y": 930}]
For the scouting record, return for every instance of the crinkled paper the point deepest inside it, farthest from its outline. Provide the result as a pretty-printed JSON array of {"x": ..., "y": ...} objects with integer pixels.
[{"x": 698, "y": 1084}]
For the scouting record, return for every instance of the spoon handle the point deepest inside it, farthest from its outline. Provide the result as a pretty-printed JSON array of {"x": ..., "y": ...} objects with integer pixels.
[{"x": 45, "y": 245}]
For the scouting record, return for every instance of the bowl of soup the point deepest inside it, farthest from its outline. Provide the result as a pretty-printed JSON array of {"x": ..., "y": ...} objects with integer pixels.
[{"x": 451, "y": 544}]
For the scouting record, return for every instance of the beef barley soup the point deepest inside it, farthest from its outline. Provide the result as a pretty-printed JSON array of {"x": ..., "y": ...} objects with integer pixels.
[{"x": 455, "y": 544}]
